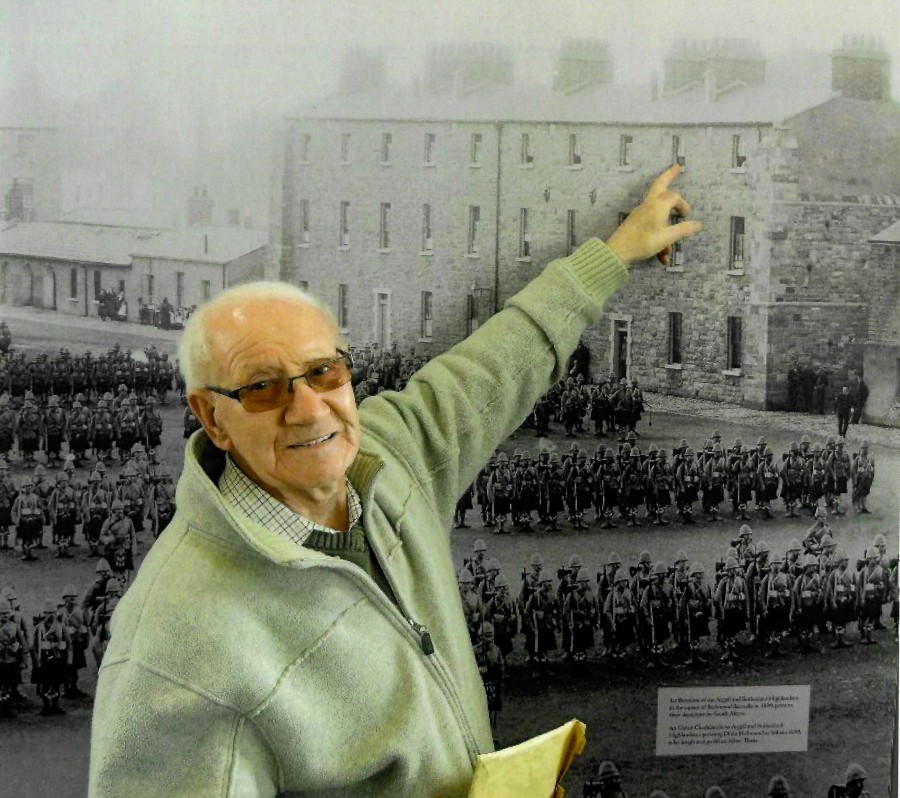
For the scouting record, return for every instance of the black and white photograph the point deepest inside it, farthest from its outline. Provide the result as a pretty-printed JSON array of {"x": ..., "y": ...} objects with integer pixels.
[{"x": 386, "y": 384}]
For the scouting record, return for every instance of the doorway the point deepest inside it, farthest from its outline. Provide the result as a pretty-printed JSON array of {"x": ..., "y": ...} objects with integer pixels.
[
  {"x": 383, "y": 320},
  {"x": 621, "y": 347}
]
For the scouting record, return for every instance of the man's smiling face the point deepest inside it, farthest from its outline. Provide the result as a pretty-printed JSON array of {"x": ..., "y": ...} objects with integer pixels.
[{"x": 298, "y": 452}]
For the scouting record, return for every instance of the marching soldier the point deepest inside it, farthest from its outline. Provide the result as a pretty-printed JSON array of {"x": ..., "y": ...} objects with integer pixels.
[
  {"x": 608, "y": 783},
  {"x": 12, "y": 653},
  {"x": 610, "y": 487},
  {"x": 100, "y": 622},
  {"x": 500, "y": 611},
  {"x": 579, "y": 491},
  {"x": 73, "y": 617},
  {"x": 55, "y": 423},
  {"x": 841, "y": 597},
  {"x": 732, "y": 609},
  {"x": 526, "y": 494},
  {"x": 79, "y": 430},
  {"x": 481, "y": 493},
  {"x": 52, "y": 654},
  {"x": 162, "y": 502},
  {"x": 489, "y": 660},
  {"x": 632, "y": 488},
  {"x": 807, "y": 603},
  {"x": 119, "y": 542},
  {"x": 65, "y": 513},
  {"x": 714, "y": 473},
  {"x": 778, "y": 788},
  {"x": 554, "y": 490},
  {"x": 792, "y": 479},
  {"x": 542, "y": 613},
  {"x": 473, "y": 610},
  {"x": 103, "y": 431},
  {"x": 687, "y": 485},
  {"x": 153, "y": 425},
  {"x": 500, "y": 490},
  {"x": 7, "y": 497},
  {"x": 863, "y": 474},
  {"x": 815, "y": 478},
  {"x": 872, "y": 591},
  {"x": 29, "y": 430},
  {"x": 656, "y": 611},
  {"x": 766, "y": 482},
  {"x": 774, "y": 608},
  {"x": 662, "y": 480},
  {"x": 97, "y": 591},
  {"x": 530, "y": 585},
  {"x": 133, "y": 497},
  {"x": 7, "y": 427},
  {"x": 696, "y": 610},
  {"x": 28, "y": 516},
  {"x": 95, "y": 510},
  {"x": 580, "y": 610},
  {"x": 620, "y": 613}
]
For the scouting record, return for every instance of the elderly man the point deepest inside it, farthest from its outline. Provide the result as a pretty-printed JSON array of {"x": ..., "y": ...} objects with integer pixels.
[{"x": 297, "y": 628}]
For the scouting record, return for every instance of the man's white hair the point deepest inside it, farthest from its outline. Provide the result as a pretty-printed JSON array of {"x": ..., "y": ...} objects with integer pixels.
[{"x": 194, "y": 351}]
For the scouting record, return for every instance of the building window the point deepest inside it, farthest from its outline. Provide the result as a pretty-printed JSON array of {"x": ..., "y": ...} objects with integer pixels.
[
  {"x": 304, "y": 284},
  {"x": 427, "y": 241},
  {"x": 738, "y": 158},
  {"x": 121, "y": 286},
  {"x": 384, "y": 236},
  {"x": 304, "y": 147},
  {"x": 344, "y": 234},
  {"x": 524, "y": 234},
  {"x": 151, "y": 284},
  {"x": 675, "y": 338},
  {"x": 474, "y": 219},
  {"x": 677, "y": 259},
  {"x": 304, "y": 221},
  {"x": 428, "y": 152},
  {"x": 623, "y": 215},
  {"x": 475, "y": 148},
  {"x": 574, "y": 150},
  {"x": 98, "y": 286},
  {"x": 678, "y": 150},
  {"x": 625, "y": 145},
  {"x": 735, "y": 343},
  {"x": 205, "y": 290},
  {"x": 571, "y": 241},
  {"x": 386, "y": 140},
  {"x": 526, "y": 156},
  {"x": 73, "y": 283},
  {"x": 179, "y": 289},
  {"x": 737, "y": 242},
  {"x": 345, "y": 148},
  {"x": 427, "y": 319},
  {"x": 343, "y": 314}
]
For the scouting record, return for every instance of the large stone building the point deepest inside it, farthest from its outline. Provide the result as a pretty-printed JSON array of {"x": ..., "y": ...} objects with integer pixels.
[{"x": 416, "y": 214}]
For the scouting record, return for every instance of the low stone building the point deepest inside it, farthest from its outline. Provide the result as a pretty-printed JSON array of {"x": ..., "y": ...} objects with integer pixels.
[{"x": 67, "y": 267}]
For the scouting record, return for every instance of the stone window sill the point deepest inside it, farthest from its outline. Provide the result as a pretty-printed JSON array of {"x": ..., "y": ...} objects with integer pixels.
[
  {"x": 428, "y": 164},
  {"x": 674, "y": 366},
  {"x": 732, "y": 372},
  {"x": 575, "y": 167},
  {"x": 736, "y": 272},
  {"x": 426, "y": 340},
  {"x": 385, "y": 163},
  {"x": 526, "y": 165},
  {"x": 346, "y": 163},
  {"x": 474, "y": 166},
  {"x": 344, "y": 248},
  {"x": 384, "y": 250},
  {"x": 304, "y": 245},
  {"x": 472, "y": 255},
  {"x": 625, "y": 168},
  {"x": 675, "y": 269},
  {"x": 427, "y": 253},
  {"x": 524, "y": 259},
  {"x": 738, "y": 170}
]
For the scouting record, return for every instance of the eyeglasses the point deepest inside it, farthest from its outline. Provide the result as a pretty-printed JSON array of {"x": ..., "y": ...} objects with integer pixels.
[{"x": 323, "y": 376}]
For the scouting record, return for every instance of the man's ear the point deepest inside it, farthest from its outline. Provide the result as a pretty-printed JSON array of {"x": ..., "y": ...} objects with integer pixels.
[{"x": 205, "y": 411}]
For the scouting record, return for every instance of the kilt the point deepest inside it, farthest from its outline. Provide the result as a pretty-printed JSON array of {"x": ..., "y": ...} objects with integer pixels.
[
  {"x": 714, "y": 494},
  {"x": 28, "y": 442},
  {"x": 840, "y": 485},
  {"x": 102, "y": 441},
  {"x": 546, "y": 639},
  {"x": 844, "y": 613},
  {"x": 698, "y": 625},
  {"x": 744, "y": 492},
  {"x": 871, "y": 608},
  {"x": 809, "y": 616},
  {"x": 690, "y": 494},
  {"x": 494, "y": 696},
  {"x": 663, "y": 497},
  {"x": 54, "y": 442},
  {"x": 555, "y": 503},
  {"x": 6, "y": 440},
  {"x": 862, "y": 486},
  {"x": 770, "y": 490},
  {"x": 734, "y": 620},
  {"x": 501, "y": 505},
  {"x": 582, "y": 637},
  {"x": 779, "y": 618},
  {"x": 623, "y": 635},
  {"x": 31, "y": 530},
  {"x": 153, "y": 439}
]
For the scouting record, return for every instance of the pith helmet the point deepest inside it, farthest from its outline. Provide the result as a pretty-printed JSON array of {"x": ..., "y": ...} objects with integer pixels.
[
  {"x": 855, "y": 772},
  {"x": 779, "y": 788},
  {"x": 608, "y": 771}
]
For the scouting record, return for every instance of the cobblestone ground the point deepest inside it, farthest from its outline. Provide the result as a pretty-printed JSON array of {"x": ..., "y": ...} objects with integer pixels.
[{"x": 814, "y": 425}]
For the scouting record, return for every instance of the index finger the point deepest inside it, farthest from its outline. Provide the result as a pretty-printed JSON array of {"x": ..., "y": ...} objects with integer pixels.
[{"x": 663, "y": 182}]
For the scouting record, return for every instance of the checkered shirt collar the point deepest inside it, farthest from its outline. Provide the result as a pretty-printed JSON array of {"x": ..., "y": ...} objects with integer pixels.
[{"x": 238, "y": 489}]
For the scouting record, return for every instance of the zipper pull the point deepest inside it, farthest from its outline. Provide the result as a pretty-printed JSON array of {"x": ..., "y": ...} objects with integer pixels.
[{"x": 424, "y": 637}]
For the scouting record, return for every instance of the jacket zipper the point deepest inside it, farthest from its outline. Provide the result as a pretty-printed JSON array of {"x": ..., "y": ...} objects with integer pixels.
[{"x": 422, "y": 637}]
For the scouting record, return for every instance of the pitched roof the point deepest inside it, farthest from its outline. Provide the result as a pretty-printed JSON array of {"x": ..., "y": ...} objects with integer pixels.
[
  {"x": 201, "y": 244},
  {"x": 88, "y": 243},
  {"x": 81, "y": 243}
]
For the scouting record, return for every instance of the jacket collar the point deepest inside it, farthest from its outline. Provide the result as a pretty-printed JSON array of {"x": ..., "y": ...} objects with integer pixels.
[{"x": 198, "y": 491}]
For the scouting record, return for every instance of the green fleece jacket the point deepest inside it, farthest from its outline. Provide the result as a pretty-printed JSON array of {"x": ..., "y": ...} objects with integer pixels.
[{"x": 242, "y": 664}]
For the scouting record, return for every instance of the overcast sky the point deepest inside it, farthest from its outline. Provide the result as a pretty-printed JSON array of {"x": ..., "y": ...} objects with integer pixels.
[{"x": 164, "y": 73}]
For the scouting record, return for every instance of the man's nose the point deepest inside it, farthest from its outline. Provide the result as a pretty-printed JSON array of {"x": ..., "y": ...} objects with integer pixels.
[{"x": 306, "y": 405}]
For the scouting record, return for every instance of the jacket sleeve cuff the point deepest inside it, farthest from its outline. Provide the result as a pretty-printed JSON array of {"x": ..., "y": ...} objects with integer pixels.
[{"x": 597, "y": 268}]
